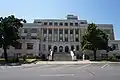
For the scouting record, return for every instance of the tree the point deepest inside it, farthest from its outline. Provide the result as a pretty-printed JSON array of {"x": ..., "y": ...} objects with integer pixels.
[
  {"x": 94, "y": 39},
  {"x": 9, "y": 32}
]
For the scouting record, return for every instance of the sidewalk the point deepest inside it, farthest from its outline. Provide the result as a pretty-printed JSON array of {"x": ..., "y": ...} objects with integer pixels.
[
  {"x": 73, "y": 62},
  {"x": 63, "y": 62}
]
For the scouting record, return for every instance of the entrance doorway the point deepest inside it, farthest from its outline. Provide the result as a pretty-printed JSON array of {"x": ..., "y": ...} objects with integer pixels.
[
  {"x": 61, "y": 49},
  {"x": 66, "y": 49},
  {"x": 55, "y": 48}
]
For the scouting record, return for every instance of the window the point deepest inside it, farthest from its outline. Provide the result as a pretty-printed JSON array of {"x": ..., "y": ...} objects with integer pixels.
[
  {"x": 34, "y": 37},
  {"x": 76, "y": 31},
  {"x": 29, "y": 45},
  {"x": 18, "y": 46},
  {"x": 115, "y": 46},
  {"x": 25, "y": 30},
  {"x": 49, "y": 47},
  {"x": 50, "y": 24},
  {"x": 55, "y": 24},
  {"x": 76, "y": 24},
  {"x": 61, "y": 24},
  {"x": 66, "y": 31},
  {"x": 34, "y": 30},
  {"x": 60, "y": 31},
  {"x": 82, "y": 22},
  {"x": 44, "y": 31},
  {"x": 71, "y": 31},
  {"x": 66, "y": 24},
  {"x": 44, "y": 47},
  {"x": 23, "y": 37},
  {"x": 77, "y": 47},
  {"x": 50, "y": 31},
  {"x": 66, "y": 39},
  {"x": 45, "y": 23},
  {"x": 72, "y": 47},
  {"x": 71, "y": 24},
  {"x": 76, "y": 39}
]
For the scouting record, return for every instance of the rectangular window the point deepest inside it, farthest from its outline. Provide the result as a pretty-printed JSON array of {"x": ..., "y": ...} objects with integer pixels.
[
  {"x": 76, "y": 39},
  {"x": 71, "y": 24},
  {"x": 33, "y": 30},
  {"x": 72, "y": 47},
  {"x": 50, "y": 31},
  {"x": 66, "y": 31},
  {"x": 66, "y": 24},
  {"x": 25, "y": 30},
  {"x": 23, "y": 37},
  {"x": 82, "y": 23},
  {"x": 45, "y": 23},
  {"x": 55, "y": 24},
  {"x": 76, "y": 24},
  {"x": 49, "y": 47},
  {"x": 50, "y": 24},
  {"x": 76, "y": 31},
  {"x": 61, "y": 24},
  {"x": 66, "y": 39},
  {"x": 29, "y": 45},
  {"x": 71, "y": 31},
  {"x": 34, "y": 37},
  {"x": 44, "y": 31},
  {"x": 18, "y": 46},
  {"x": 60, "y": 31},
  {"x": 77, "y": 47}
]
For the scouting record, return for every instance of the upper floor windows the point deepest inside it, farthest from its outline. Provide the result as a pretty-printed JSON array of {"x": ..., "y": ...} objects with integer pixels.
[
  {"x": 76, "y": 24},
  {"x": 50, "y": 23},
  {"x": 45, "y": 23},
  {"x": 25, "y": 30},
  {"x": 33, "y": 30},
  {"x": 61, "y": 24},
  {"x": 71, "y": 24},
  {"x": 55, "y": 24},
  {"x": 66, "y": 24}
]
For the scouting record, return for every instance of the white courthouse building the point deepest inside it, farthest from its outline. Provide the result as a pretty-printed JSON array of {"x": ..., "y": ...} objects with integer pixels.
[{"x": 59, "y": 35}]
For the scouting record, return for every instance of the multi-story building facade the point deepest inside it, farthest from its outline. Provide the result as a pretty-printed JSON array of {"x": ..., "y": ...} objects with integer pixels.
[{"x": 60, "y": 35}]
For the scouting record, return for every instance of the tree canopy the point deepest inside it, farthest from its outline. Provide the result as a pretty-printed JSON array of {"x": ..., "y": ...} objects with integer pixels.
[
  {"x": 94, "y": 39},
  {"x": 9, "y": 31}
]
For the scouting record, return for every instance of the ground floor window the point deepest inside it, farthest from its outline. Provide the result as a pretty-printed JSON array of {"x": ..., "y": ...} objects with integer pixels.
[{"x": 29, "y": 45}]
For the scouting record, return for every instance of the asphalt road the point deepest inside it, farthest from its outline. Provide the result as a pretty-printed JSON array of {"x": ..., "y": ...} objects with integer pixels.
[{"x": 101, "y": 71}]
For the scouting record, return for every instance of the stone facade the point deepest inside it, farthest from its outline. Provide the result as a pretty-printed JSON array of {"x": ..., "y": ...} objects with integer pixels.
[{"x": 60, "y": 35}]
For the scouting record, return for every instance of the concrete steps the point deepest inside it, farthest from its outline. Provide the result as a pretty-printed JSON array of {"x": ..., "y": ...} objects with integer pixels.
[{"x": 62, "y": 56}]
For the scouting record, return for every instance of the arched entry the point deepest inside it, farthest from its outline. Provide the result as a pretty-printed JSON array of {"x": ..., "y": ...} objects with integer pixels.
[
  {"x": 66, "y": 49},
  {"x": 55, "y": 48},
  {"x": 61, "y": 48}
]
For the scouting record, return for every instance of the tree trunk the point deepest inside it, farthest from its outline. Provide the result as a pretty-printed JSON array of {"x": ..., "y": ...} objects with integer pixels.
[
  {"x": 94, "y": 54},
  {"x": 5, "y": 53}
]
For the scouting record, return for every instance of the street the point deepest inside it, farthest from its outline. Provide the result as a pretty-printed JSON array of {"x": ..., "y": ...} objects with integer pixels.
[{"x": 90, "y": 71}]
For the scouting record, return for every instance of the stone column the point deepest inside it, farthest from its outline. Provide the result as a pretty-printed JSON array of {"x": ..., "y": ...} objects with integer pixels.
[
  {"x": 63, "y": 34},
  {"x": 58, "y": 34}
]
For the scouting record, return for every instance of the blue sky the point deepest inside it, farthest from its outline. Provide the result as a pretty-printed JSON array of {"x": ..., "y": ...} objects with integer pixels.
[{"x": 97, "y": 11}]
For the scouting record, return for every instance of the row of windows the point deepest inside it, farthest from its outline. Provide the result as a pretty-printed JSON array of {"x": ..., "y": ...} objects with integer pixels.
[
  {"x": 19, "y": 46},
  {"x": 62, "y": 24},
  {"x": 60, "y": 31},
  {"x": 33, "y": 30}
]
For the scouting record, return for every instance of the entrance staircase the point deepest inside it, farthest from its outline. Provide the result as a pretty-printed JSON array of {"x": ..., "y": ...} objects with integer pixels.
[{"x": 62, "y": 56}]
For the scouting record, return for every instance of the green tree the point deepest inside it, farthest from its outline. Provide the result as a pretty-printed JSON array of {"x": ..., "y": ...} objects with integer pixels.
[
  {"x": 94, "y": 39},
  {"x": 9, "y": 32}
]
